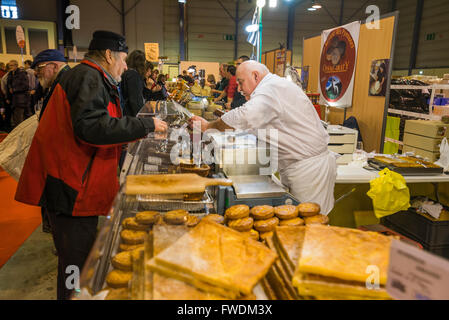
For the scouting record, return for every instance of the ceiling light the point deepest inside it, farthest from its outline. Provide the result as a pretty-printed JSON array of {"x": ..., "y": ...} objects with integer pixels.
[
  {"x": 261, "y": 3},
  {"x": 316, "y": 5},
  {"x": 272, "y": 3},
  {"x": 311, "y": 9}
]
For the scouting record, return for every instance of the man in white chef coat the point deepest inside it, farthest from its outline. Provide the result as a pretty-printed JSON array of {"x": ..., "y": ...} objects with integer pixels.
[{"x": 305, "y": 164}]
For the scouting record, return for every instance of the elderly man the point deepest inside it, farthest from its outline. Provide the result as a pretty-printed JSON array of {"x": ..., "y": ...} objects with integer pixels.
[
  {"x": 305, "y": 164},
  {"x": 49, "y": 66},
  {"x": 71, "y": 168}
]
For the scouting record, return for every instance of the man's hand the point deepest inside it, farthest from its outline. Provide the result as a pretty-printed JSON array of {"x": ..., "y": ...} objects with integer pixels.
[
  {"x": 159, "y": 125},
  {"x": 228, "y": 106},
  {"x": 204, "y": 123}
]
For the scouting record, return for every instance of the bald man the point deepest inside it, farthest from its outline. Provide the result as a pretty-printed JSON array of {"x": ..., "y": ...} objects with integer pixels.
[{"x": 305, "y": 164}]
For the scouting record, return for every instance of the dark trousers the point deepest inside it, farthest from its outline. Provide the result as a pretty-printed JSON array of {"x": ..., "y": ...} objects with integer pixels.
[{"x": 73, "y": 238}]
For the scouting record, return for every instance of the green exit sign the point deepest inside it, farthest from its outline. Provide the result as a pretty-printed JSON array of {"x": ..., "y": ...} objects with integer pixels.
[
  {"x": 228, "y": 37},
  {"x": 430, "y": 36}
]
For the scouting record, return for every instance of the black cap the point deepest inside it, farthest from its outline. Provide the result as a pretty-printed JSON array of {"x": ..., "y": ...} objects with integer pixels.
[{"x": 103, "y": 40}]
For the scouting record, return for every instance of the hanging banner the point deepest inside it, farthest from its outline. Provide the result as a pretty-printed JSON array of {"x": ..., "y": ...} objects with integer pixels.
[
  {"x": 337, "y": 64},
  {"x": 20, "y": 37},
  {"x": 152, "y": 52}
]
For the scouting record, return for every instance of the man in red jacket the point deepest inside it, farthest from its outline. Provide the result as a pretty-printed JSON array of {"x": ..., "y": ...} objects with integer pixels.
[{"x": 71, "y": 168}]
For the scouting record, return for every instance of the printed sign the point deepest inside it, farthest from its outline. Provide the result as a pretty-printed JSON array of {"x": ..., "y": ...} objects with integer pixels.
[
  {"x": 415, "y": 274},
  {"x": 337, "y": 64},
  {"x": 152, "y": 52},
  {"x": 379, "y": 77}
]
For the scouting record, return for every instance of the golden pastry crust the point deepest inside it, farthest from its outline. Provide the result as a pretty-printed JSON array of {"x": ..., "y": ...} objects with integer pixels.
[
  {"x": 295, "y": 222},
  {"x": 135, "y": 254},
  {"x": 132, "y": 224},
  {"x": 214, "y": 218},
  {"x": 147, "y": 217},
  {"x": 317, "y": 219},
  {"x": 129, "y": 247},
  {"x": 262, "y": 212},
  {"x": 242, "y": 225},
  {"x": 308, "y": 209},
  {"x": 133, "y": 237},
  {"x": 253, "y": 234},
  {"x": 122, "y": 261},
  {"x": 237, "y": 212},
  {"x": 117, "y": 294},
  {"x": 176, "y": 217},
  {"x": 118, "y": 278},
  {"x": 286, "y": 212},
  {"x": 266, "y": 225},
  {"x": 264, "y": 235},
  {"x": 192, "y": 221}
]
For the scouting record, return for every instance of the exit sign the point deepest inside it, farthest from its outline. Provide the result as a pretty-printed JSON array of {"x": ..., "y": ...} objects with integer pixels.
[
  {"x": 430, "y": 36},
  {"x": 228, "y": 37}
]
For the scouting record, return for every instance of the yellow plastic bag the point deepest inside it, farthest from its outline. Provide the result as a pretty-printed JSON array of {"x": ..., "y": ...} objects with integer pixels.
[{"x": 389, "y": 193}]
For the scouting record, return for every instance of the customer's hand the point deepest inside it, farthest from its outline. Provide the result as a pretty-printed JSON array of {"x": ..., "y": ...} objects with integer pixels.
[
  {"x": 159, "y": 125},
  {"x": 204, "y": 123}
]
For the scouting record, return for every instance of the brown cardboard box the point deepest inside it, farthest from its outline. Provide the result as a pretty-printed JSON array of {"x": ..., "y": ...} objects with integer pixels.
[
  {"x": 427, "y": 128},
  {"x": 431, "y": 156},
  {"x": 421, "y": 142}
]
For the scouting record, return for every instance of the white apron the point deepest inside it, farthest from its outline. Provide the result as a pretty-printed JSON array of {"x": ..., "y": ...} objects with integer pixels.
[{"x": 313, "y": 180}]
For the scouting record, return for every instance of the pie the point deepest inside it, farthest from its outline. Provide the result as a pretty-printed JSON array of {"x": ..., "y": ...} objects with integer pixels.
[
  {"x": 132, "y": 224},
  {"x": 147, "y": 217},
  {"x": 262, "y": 212},
  {"x": 127, "y": 247},
  {"x": 266, "y": 225},
  {"x": 295, "y": 222},
  {"x": 308, "y": 209},
  {"x": 176, "y": 217},
  {"x": 242, "y": 225},
  {"x": 317, "y": 219},
  {"x": 192, "y": 220},
  {"x": 286, "y": 212},
  {"x": 219, "y": 256},
  {"x": 133, "y": 237},
  {"x": 122, "y": 261},
  {"x": 118, "y": 278},
  {"x": 237, "y": 212}
]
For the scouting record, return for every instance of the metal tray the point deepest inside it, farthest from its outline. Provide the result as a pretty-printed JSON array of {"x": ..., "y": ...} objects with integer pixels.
[{"x": 378, "y": 165}]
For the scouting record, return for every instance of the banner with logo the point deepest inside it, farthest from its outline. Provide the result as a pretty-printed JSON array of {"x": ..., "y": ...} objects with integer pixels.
[
  {"x": 152, "y": 52},
  {"x": 337, "y": 64}
]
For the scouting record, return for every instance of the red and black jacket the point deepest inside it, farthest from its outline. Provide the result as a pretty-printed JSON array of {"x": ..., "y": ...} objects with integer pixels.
[{"x": 71, "y": 167}]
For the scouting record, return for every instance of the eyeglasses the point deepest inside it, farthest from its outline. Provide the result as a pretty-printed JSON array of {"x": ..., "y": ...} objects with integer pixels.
[{"x": 42, "y": 66}]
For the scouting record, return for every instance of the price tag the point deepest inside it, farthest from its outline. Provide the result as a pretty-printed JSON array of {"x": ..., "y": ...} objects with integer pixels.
[{"x": 415, "y": 274}]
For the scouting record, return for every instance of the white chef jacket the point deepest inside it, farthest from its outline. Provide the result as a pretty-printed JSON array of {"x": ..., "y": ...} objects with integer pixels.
[{"x": 277, "y": 103}]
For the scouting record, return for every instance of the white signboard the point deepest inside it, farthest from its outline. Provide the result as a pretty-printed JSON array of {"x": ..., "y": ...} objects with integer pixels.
[{"x": 415, "y": 274}]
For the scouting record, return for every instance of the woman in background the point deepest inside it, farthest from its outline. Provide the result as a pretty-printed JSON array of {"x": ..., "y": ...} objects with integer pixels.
[{"x": 133, "y": 83}]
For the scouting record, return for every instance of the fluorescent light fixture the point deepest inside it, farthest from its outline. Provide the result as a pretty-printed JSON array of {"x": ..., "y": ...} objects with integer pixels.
[
  {"x": 421, "y": 72},
  {"x": 273, "y": 3},
  {"x": 311, "y": 9},
  {"x": 182, "y": 1},
  {"x": 316, "y": 5},
  {"x": 261, "y": 3},
  {"x": 252, "y": 28}
]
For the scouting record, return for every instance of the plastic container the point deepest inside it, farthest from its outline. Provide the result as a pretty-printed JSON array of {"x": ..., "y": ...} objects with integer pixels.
[{"x": 429, "y": 233}]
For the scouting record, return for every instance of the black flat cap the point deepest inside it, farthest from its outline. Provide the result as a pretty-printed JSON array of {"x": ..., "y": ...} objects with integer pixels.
[{"x": 103, "y": 40}]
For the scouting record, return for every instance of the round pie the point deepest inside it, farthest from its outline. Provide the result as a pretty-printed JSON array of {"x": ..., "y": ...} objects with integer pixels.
[
  {"x": 262, "y": 212},
  {"x": 317, "y": 219},
  {"x": 295, "y": 222},
  {"x": 237, "y": 212},
  {"x": 128, "y": 247},
  {"x": 242, "y": 225},
  {"x": 192, "y": 220},
  {"x": 118, "y": 278},
  {"x": 308, "y": 209},
  {"x": 122, "y": 261},
  {"x": 176, "y": 217},
  {"x": 147, "y": 217},
  {"x": 266, "y": 225},
  {"x": 133, "y": 237},
  {"x": 132, "y": 224},
  {"x": 265, "y": 235},
  {"x": 286, "y": 212},
  {"x": 214, "y": 218}
]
